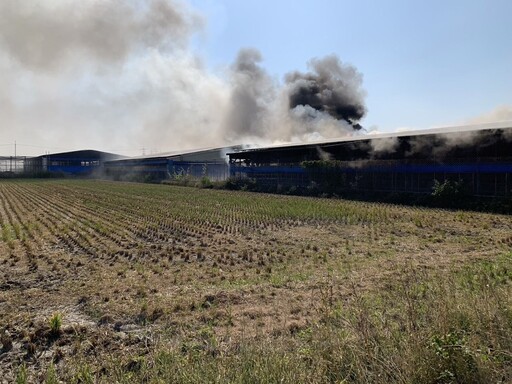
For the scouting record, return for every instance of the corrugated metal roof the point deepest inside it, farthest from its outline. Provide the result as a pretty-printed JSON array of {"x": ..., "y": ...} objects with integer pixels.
[
  {"x": 86, "y": 153},
  {"x": 163, "y": 155},
  {"x": 369, "y": 136}
]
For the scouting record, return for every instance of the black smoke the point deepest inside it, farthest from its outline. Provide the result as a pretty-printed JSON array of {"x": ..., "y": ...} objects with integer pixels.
[{"x": 331, "y": 87}]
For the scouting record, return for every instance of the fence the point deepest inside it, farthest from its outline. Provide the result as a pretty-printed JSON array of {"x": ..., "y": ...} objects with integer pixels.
[
  {"x": 215, "y": 171},
  {"x": 478, "y": 178}
]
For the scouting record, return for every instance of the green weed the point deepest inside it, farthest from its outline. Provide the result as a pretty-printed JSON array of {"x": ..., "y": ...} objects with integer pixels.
[{"x": 55, "y": 323}]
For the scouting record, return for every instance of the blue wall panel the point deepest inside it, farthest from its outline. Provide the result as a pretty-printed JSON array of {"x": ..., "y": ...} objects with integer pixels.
[
  {"x": 428, "y": 168},
  {"x": 72, "y": 169}
]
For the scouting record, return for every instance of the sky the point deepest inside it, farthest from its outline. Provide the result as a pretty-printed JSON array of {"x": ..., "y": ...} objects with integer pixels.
[
  {"x": 425, "y": 63},
  {"x": 159, "y": 75}
]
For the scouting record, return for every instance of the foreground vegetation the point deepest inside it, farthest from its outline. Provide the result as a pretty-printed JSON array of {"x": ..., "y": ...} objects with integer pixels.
[{"x": 118, "y": 282}]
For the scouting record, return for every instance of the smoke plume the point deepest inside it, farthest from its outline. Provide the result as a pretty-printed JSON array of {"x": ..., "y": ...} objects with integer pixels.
[
  {"x": 383, "y": 145},
  {"x": 500, "y": 113},
  {"x": 331, "y": 87},
  {"x": 47, "y": 34},
  {"x": 252, "y": 96},
  {"x": 121, "y": 76}
]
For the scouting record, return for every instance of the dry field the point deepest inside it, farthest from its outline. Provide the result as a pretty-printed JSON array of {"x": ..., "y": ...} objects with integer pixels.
[{"x": 119, "y": 282}]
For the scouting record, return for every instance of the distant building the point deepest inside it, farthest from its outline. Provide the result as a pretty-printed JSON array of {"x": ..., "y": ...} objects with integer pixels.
[
  {"x": 476, "y": 158},
  {"x": 83, "y": 162},
  {"x": 479, "y": 158},
  {"x": 195, "y": 164}
]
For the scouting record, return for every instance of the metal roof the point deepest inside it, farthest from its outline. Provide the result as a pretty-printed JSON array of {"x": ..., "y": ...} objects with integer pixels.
[
  {"x": 85, "y": 153},
  {"x": 165, "y": 155},
  {"x": 369, "y": 136}
]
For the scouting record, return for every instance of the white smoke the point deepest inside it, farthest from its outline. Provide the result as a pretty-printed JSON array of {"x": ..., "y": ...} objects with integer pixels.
[
  {"x": 384, "y": 145},
  {"x": 120, "y": 75},
  {"x": 53, "y": 33},
  {"x": 500, "y": 113}
]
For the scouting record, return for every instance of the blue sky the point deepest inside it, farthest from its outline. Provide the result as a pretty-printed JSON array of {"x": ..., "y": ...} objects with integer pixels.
[{"x": 425, "y": 63}]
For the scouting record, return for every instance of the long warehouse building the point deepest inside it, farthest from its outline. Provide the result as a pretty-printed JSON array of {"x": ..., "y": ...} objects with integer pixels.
[
  {"x": 195, "y": 164},
  {"x": 478, "y": 157}
]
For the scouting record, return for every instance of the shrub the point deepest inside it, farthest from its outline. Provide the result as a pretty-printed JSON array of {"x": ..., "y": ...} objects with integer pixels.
[
  {"x": 206, "y": 182},
  {"x": 244, "y": 184},
  {"x": 448, "y": 189}
]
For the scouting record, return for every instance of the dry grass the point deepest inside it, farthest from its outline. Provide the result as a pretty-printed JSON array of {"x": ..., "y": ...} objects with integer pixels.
[{"x": 171, "y": 284}]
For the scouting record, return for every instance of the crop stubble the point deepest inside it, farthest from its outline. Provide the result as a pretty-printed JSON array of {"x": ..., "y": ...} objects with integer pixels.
[{"x": 131, "y": 266}]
